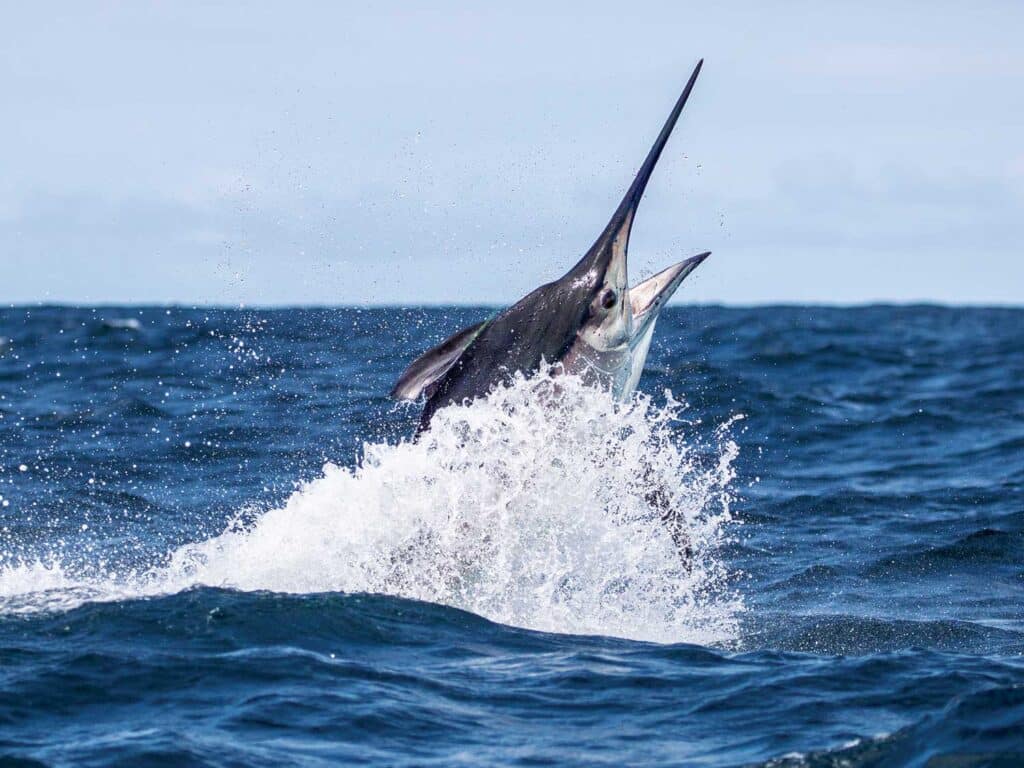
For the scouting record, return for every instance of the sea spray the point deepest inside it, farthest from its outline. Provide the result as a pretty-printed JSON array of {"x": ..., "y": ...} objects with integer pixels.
[{"x": 531, "y": 508}]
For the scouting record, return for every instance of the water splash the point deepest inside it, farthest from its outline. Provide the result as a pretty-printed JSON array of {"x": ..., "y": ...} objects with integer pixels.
[{"x": 531, "y": 508}]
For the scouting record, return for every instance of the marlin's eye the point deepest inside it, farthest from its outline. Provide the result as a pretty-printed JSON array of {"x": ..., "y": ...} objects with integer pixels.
[{"x": 608, "y": 299}]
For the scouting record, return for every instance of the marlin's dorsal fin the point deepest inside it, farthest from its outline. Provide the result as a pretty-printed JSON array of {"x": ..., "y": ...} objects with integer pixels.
[{"x": 424, "y": 372}]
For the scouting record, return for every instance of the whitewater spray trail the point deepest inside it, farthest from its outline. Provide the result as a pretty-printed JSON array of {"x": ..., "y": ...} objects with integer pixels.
[{"x": 531, "y": 508}]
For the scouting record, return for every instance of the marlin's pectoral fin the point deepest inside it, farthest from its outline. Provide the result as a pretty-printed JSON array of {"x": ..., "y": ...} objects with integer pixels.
[{"x": 428, "y": 368}]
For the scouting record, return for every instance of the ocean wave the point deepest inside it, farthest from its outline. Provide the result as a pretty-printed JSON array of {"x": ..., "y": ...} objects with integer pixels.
[
  {"x": 122, "y": 324},
  {"x": 983, "y": 547},
  {"x": 979, "y": 729},
  {"x": 848, "y": 635},
  {"x": 530, "y": 508}
]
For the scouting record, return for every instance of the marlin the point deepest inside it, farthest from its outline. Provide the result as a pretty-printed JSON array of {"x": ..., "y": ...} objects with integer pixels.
[{"x": 588, "y": 323}]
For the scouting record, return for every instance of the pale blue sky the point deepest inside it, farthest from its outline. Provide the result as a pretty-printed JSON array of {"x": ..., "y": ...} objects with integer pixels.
[{"x": 377, "y": 152}]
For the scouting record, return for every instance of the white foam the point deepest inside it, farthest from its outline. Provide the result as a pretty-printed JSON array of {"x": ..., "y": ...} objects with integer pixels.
[
  {"x": 123, "y": 323},
  {"x": 528, "y": 508}
]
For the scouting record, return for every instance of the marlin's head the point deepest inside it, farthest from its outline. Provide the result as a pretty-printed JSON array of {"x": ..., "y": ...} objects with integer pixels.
[{"x": 616, "y": 321}]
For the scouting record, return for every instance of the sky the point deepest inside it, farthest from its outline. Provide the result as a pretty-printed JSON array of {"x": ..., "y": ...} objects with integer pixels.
[{"x": 367, "y": 153}]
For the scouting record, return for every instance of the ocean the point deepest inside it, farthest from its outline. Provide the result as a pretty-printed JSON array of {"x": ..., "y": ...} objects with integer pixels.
[{"x": 220, "y": 546}]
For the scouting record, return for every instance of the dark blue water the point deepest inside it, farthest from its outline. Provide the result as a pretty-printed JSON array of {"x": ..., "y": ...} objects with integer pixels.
[{"x": 868, "y": 602}]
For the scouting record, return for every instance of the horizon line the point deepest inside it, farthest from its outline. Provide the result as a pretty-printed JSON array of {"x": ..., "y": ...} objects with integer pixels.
[{"x": 284, "y": 306}]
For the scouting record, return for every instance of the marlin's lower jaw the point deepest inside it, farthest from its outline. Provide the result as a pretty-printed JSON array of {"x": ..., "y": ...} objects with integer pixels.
[
  {"x": 650, "y": 297},
  {"x": 647, "y": 300}
]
